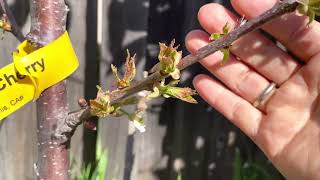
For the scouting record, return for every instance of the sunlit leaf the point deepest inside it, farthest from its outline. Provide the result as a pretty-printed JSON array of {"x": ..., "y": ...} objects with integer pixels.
[
  {"x": 226, "y": 28},
  {"x": 226, "y": 55},
  {"x": 100, "y": 106},
  {"x": 169, "y": 58},
  {"x": 4, "y": 23},
  {"x": 312, "y": 15},
  {"x": 214, "y": 36},
  {"x": 184, "y": 94},
  {"x": 310, "y": 8},
  {"x": 302, "y": 9},
  {"x": 237, "y": 166},
  {"x": 130, "y": 68},
  {"x": 129, "y": 74}
]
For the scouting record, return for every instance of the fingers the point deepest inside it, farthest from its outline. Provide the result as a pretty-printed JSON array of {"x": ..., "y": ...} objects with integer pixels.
[
  {"x": 291, "y": 30},
  {"x": 233, "y": 107},
  {"x": 254, "y": 49},
  {"x": 234, "y": 74}
]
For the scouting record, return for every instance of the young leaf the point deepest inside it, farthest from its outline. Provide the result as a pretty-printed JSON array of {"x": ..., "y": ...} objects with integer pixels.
[
  {"x": 312, "y": 15},
  {"x": 169, "y": 58},
  {"x": 226, "y": 28},
  {"x": 214, "y": 36},
  {"x": 226, "y": 55},
  {"x": 155, "y": 93},
  {"x": 184, "y": 94},
  {"x": 4, "y": 23},
  {"x": 130, "y": 72},
  {"x": 130, "y": 68},
  {"x": 101, "y": 105},
  {"x": 310, "y": 8},
  {"x": 302, "y": 9}
]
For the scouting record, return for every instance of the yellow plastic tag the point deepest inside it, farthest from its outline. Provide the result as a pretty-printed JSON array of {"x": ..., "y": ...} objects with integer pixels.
[{"x": 33, "y": 71}]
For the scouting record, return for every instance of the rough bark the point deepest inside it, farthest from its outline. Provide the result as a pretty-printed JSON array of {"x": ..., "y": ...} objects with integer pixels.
[{"x": 48, "y": 23}]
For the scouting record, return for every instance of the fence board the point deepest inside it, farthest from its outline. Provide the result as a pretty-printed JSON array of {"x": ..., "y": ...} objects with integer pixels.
[{"x": 18, "y": 131}]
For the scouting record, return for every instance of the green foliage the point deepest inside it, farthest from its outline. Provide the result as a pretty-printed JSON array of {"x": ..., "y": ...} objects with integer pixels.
[
  {"x": 226, "y": 55},
  {"x": 179, "y": 177},
  {"x": 100, "y": 106},
  {"x": 169, "y": 57},
  {"x": 215, "y": 36},
  {"x": 310, "y": 8},
  {"x": 237, "y": 164},
  {"x": 97, "y": 173},
  {"x": 226, "y": 51},
  {"x": 130, "y": 72},
  {"x": 170, "y": 91},
  {"x": 251, "y": 170}
]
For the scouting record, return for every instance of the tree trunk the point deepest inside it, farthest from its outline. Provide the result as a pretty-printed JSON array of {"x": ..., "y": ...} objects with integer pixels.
[{"x": 47, "y": 24}]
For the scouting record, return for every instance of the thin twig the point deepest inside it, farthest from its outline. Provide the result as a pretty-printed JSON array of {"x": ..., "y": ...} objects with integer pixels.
[
  {"x": 16, "y": 30},
  {"x": 76, "y": 118}
]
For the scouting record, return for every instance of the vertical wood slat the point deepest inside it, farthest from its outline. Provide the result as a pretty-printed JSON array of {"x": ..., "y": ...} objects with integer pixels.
[
  {"x": 125, "y": 24},
  {"x": 76, "y": 83},
  {"x": 18, "y": 131}
]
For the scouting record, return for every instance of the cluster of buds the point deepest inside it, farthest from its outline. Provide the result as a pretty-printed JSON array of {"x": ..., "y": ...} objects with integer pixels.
[
  {"x": 101, "y": 105},
  {"x": 169, "y": 57},
  {"x": 5, "y": 24}
]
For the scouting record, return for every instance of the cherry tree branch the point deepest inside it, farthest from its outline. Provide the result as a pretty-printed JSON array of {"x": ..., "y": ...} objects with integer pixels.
[{"x": 65, "y": 131}]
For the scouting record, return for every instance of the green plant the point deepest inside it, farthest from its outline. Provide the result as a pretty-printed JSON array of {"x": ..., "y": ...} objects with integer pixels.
[
  {"x": 250, "y": 170},
  {"x": 97, "y": 170},
  {"x": 179, "y": 177}
]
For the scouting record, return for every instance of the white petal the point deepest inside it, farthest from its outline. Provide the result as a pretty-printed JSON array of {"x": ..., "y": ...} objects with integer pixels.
[{"x": 141, "y": 127}]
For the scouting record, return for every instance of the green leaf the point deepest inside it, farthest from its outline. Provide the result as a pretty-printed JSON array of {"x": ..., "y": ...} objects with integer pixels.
[
  {"x": 312, "y": 16},
  {"x": 214, "y": 36},
  {"x": 179, "y": 177},
  {"x": 100, "y": 106},
  {"x": 314, "y": 3},
  {"x": 226, "y": 55},
  {"x": 169, "y": 58},
  {"x": 174, "y": 82},
  {"x": 102, "y": 163},
  {"x": 310, "y": 8},
  {"x": 226, "y": 28},
  {"x": 303, "y": 9},
  {"x": 317, "y": 11},
  {"x": 130, "y": 72},
  {"x": 155, "y": 93},
  {"x": 237, "y": 166},
  {"x": 184, "y": 94}
]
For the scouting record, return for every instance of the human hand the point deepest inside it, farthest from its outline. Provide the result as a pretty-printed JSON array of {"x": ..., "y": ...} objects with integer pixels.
[{"x": 287, "y": 126}]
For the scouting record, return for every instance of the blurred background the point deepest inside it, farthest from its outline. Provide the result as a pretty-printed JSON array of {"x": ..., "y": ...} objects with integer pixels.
[{"x": 194, "y": 141}]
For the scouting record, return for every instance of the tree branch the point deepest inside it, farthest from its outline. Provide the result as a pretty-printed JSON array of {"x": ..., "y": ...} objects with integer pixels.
[
  {"x": 65, "y": 131},
  {"x": 48, "y": 22},
  {"x": 15, "y": 29}
]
